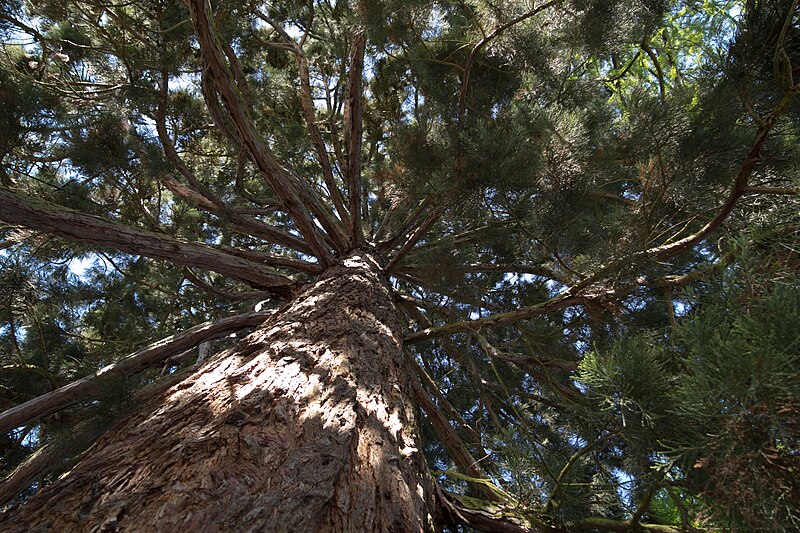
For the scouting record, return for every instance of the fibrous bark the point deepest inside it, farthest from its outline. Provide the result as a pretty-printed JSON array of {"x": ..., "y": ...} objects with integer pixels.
[{"x": 305, "y": 426}]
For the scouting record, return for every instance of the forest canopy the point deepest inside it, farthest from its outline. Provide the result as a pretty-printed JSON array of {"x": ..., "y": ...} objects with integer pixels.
[{"x": 585, "y": 213}]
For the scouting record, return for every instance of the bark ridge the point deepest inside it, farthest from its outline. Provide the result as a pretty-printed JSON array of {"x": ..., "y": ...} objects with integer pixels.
[{"x": 305, "y": 426}]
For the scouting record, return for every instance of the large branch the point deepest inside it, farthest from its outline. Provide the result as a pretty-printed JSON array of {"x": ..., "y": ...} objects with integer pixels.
[
  {"x": 76, "y": 226},
  {"x": 44, "y": 460},
  {"x": 353, "y": 132},
  {"x": 580, "y": 292},
  {"x": 739, "y": 190},
  {"x": 90, "y": 385},
  {"x": 309, "y": 113},
  {"x": 272, "y": 172},
  {"x": 309, "y": 196},
  {"x": 497, "y": 518},
  {"x": 619, "y": 526},
  {"x": 740, "y": 184},
  {"x": 199, "y": 195},
  {"x": 487, "y": 516},
  {"x": 456, "y": 449}
]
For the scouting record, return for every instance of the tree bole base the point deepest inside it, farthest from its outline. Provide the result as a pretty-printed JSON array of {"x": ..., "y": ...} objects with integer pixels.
[{"x": 306, "y": 425}]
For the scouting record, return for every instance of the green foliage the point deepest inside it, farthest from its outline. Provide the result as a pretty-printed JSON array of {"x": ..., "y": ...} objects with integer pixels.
[
  {"x": 720, "y": 401},
  {"x": 631, "y": 380},
  {"x": 561, "y": 147}
]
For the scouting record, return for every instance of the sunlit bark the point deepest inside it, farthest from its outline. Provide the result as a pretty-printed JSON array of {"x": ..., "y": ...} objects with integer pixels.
[{"x": 306, "y": 425}]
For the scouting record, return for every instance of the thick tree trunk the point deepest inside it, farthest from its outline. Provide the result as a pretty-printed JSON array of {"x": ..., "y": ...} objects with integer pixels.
[{"x": 305, "y": 426}]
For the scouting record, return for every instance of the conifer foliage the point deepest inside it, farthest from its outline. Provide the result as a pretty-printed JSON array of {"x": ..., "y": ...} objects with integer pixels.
[{"x": 585, "y": 212}]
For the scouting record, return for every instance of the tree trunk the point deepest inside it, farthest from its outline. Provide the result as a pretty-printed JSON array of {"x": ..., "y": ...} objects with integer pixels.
[{"x": 305, "y": 426}]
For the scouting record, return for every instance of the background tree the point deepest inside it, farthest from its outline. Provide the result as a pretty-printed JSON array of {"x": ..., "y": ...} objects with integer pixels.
[{"x": 528, "y": 266}]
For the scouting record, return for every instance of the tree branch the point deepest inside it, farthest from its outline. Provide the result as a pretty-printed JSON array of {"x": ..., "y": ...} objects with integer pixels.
[
  {"x": 408, "y": 224},
  {"x": 309, "y": 113},
  {"x": 415, "y": 237},
  {"x": 739, "y": 189},
  {"x": 572, "y": 296},
  {"x": 462, "y": 98},
  {"x": 450, "y": 440},
  {"x": 578, "y": 294},
  {"x": 659, "y": 72},
  {"x": 771, "y": 190},
  {"x": 272, "y": 259},
  {"x": 487, "y": 516},
  {"x": 51, "y": 456},
  {"x": 86, "y": 387},
  {"x": 516, "y": 268},
  {"x": 422, "y": 229},
  {"x": 271, "y": 171},
  {"x": 219, "y": 293},
  {"x": 76, "y": 226},
  {"x": 497, "y": 518},
  {"x": 558, "y": 302},
  {"x": 353, "y": 133},
  {"x": 200, "y": 196}
]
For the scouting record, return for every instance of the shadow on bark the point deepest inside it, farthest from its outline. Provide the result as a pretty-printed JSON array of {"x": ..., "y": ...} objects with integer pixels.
[{"x": 306, "y": 425}]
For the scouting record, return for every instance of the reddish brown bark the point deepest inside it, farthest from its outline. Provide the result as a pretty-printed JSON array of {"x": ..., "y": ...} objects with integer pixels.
[
  {"x": 305, "y": 426},
  {"x": 62, "y": 221}
]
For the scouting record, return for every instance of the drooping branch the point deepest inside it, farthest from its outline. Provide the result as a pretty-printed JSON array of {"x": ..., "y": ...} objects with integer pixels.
[
  {"x": 88, "y": 386},
  {"x": 335, "y": 232},
  {"x": 739, "y": 190},
  {"x": 221, "y": 120},
  {"x": 740, "y": 185},
  {"x": 199, "y": 195},
  {"x": 433, "y": 289},
  {"x": 275, "y": 176},
  {"x": 446, "y": 407},
  {"x": 520, "y": 360},
  {"x": 515, "y": 268},
  {"x": 582, "y": 293},
  {"x": 577, "y": 294},
  {"x": 772, "y": 190},
  {"x": 467, "y": 236},
  {"x": 208, "y": 199},
  {"x": 73, "y": 225},
  {"x": 555, "y": 498}
]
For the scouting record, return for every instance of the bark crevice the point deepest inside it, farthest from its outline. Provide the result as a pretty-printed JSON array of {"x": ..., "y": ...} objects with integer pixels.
[{"x": 306, "y": 425}]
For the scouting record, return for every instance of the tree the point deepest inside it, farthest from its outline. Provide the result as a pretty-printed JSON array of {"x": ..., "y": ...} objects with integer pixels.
[{"x": 518, "y": 267}]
